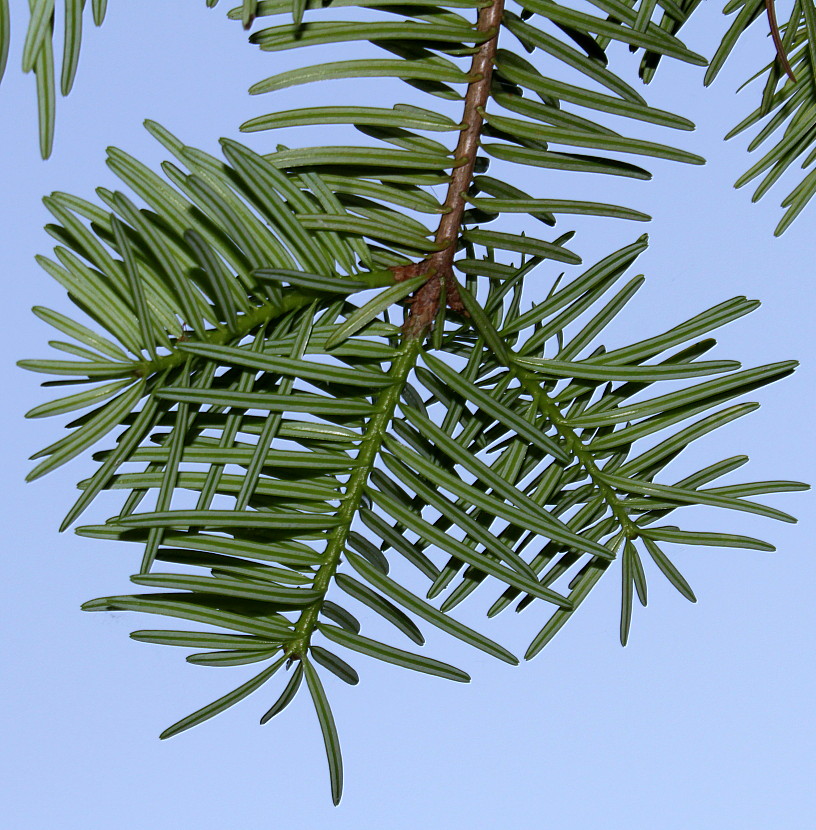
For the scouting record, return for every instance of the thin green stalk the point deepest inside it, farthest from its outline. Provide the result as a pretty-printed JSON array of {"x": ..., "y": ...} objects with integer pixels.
[
  {"x": 579, "y": 449},
  {"x": 220, "y": 336},
  {"x": 369, "y": 450}
]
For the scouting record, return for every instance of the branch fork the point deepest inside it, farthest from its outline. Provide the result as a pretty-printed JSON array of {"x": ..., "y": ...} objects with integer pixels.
[{"x": 439, "y": 266}]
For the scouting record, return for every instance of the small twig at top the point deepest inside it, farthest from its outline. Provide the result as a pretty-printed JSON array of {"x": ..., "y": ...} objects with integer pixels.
[{"x": 777, "y": 39}]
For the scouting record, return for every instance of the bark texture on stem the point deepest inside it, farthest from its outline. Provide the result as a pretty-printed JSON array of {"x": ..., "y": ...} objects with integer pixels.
[{"x": 425, "y": 303}]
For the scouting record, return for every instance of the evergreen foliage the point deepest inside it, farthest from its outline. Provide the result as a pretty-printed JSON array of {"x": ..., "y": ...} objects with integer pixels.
[{"x": 307, "y": 366}]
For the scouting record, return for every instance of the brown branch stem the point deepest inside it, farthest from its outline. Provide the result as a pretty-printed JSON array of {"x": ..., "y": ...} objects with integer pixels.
[
  {"x": 777, "y": 39},
  {"x": 425, "y": 303}
]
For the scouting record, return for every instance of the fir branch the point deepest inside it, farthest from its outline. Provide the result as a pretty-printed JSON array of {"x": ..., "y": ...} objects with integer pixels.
[{"x": 238, "y": 364}]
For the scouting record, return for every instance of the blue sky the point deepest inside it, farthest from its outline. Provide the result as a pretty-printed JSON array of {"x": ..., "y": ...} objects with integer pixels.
[{"x": 704, "y": 721}]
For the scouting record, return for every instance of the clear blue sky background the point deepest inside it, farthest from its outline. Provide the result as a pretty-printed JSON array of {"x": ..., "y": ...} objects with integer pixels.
[{"x": 704, "y": 721}]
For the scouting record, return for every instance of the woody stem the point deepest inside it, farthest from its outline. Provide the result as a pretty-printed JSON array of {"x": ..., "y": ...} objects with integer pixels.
[{"x": 426, "y": 301}]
